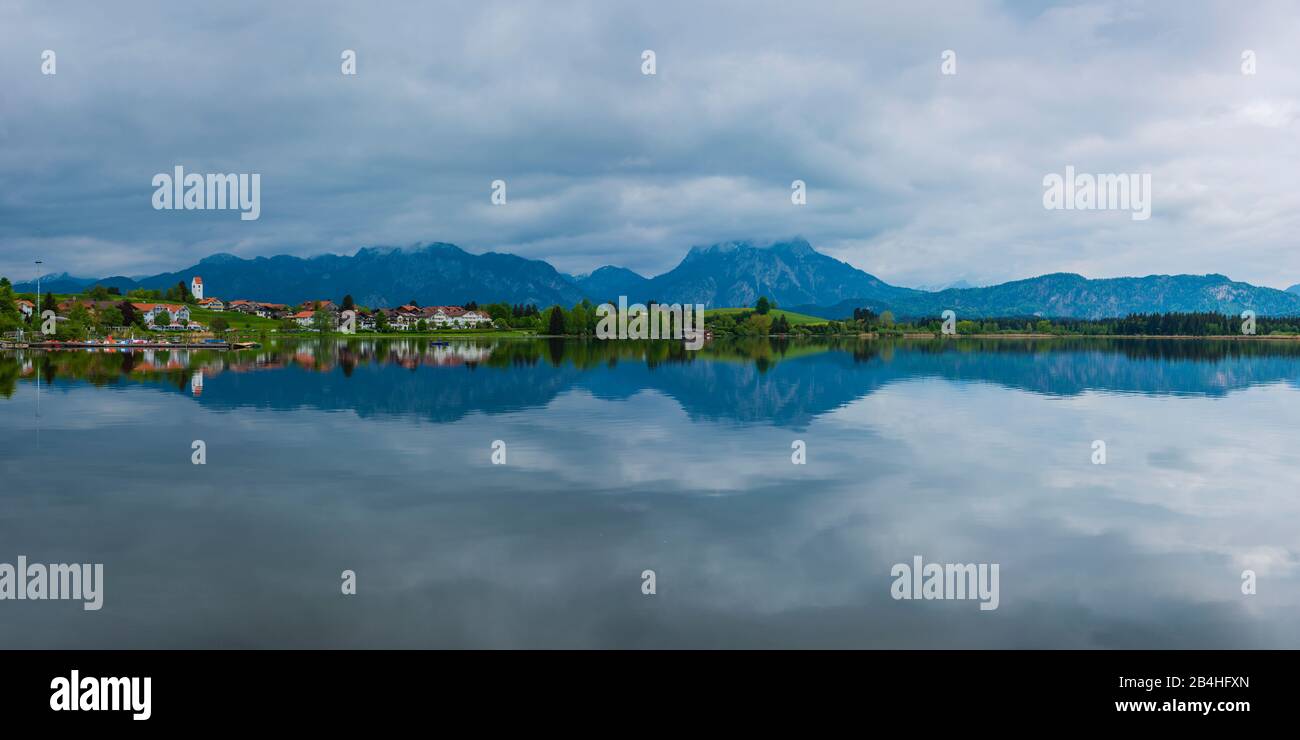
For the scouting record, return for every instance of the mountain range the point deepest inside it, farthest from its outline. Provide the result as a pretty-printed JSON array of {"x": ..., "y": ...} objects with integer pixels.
[{"x": 790, "y": 272}]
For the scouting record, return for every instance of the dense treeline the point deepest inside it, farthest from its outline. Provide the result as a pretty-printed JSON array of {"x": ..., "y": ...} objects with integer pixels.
[
  {"x": 1202, "y": 324},
  {"x": 1156, "y": 325}
]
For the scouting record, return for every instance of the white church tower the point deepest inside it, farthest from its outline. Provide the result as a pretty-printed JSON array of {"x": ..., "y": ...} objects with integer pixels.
[{"x": 196, "y": 288}]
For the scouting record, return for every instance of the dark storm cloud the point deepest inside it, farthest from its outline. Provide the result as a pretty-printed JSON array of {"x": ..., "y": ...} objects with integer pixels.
[{"x": 912, "y": 175}]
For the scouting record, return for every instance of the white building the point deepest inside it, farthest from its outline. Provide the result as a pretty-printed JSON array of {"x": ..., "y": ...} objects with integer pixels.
[
  {"x": 403, "y": 320},
  {"x": 177, "y": 315},
  {"x": 305, "y": 319},
  {"x": 474, "y": 319},
  {"x": 458, "y": 318},
  {"x": 196, "y": 288}
]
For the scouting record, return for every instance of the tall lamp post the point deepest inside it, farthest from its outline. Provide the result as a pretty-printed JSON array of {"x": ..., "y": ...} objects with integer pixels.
[{"x": 36, "y": 314}]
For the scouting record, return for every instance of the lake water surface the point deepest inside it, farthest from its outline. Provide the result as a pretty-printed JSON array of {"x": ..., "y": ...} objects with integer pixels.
[{"x": 376, "y": 457}]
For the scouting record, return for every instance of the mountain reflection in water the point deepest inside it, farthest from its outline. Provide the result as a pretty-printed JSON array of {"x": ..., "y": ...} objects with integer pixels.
[{"x": 376, "y": 456}]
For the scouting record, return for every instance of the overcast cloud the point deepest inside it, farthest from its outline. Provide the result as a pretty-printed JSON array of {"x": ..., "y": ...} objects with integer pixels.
[{"x": 913, "y": 176}]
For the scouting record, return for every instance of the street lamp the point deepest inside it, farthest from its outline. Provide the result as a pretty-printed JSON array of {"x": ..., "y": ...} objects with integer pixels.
[{"x": 37, "y": 312}]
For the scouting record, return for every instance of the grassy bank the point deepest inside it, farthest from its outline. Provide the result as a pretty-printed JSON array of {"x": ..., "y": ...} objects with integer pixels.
[{"x": 795, "y": 319}]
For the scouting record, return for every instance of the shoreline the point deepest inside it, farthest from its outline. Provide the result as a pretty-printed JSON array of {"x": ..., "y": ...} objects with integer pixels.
[
  {"x": 232, "y": 343},
  {"x": 1210, "y": 337}
]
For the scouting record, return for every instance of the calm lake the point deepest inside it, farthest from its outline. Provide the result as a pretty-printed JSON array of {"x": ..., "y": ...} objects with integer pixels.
[{"x": 377, "y": 457}]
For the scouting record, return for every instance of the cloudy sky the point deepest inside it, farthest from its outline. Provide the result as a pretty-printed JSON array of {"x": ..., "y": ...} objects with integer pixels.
[{"x": 915, "y": 176}]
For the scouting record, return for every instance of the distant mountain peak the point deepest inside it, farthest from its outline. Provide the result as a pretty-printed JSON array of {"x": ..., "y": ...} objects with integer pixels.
[
  {"x": 432, "y": 247},
  {"x": 610, "y": 271},
  {"x": 795, "y": 245},
  {"x": 377, "y": 251},
  {"x": 956, "y": 285},
  {"x": 718, "y": 248},
  {"x": 220, "y": 258}
]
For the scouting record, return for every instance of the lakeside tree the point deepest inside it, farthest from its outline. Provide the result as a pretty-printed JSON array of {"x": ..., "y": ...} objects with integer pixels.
[
  {"x": 161, "y": 319},
  {"x": 322, "y": 321},
  {"x": 763, "y": 306},
  {"x": 108, "y": 318},
  {"x": 180, "y": 293},
  {"x": 128, "y": 312},
  {"x": 578, "y": 321},
  {"x": 756, "y": 325},
  {"x": 555, "y": 324},
  {"x": 220, "y": 324},
  {"x": 11, "y": 318},
  {"x": 78, "y": 324},
  {"x": 348, "y": 304},
  {"x": 500, "y": 313}
]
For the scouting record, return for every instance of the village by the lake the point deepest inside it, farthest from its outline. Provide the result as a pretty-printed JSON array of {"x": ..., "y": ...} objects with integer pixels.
[{"x": 188, "y": 315}]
